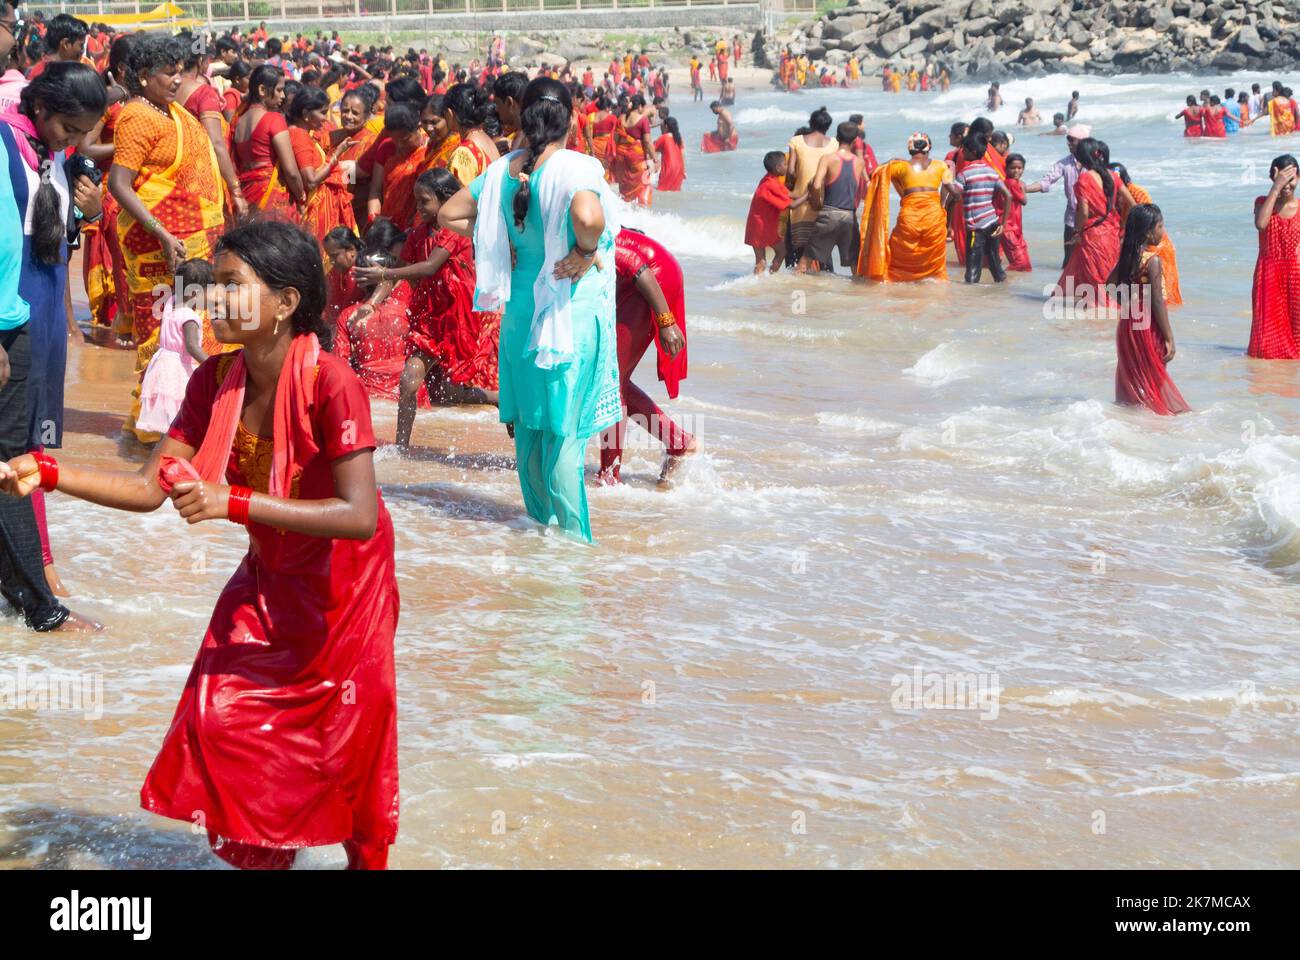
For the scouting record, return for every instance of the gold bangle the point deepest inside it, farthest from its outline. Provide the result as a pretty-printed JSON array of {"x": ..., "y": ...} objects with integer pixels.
[{"x": 665, "y": 319}]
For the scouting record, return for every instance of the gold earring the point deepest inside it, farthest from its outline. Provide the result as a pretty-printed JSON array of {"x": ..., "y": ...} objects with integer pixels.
[{"x": 278, "y": 318}]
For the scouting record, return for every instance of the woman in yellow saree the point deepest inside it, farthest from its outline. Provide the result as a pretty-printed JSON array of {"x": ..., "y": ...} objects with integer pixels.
[
  {"x": 916, "y": 248},
  {"x": 1281, "y": 113},
  {"x": 167, "y": 184}
]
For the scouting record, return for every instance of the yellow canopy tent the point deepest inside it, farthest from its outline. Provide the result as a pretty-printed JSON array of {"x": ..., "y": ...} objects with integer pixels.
[{"x": 165, "y": 14}]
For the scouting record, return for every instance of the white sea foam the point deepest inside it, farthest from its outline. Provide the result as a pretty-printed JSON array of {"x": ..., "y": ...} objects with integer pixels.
[{"x": 943, "y": 364}]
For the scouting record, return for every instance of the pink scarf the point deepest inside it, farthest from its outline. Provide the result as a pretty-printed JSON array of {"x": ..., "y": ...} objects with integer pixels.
[
  {"x": 22, "y": 124},
  {"x": 292, "y": 432}
]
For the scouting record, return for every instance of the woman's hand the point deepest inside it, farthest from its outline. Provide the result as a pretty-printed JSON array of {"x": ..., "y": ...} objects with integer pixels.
[
  {"x": 173, "y": 248},
  {"x": 575, "y": 265},
  {"x": 20, "y": 476},
  {"x": 87, "y": 198},
  {"x": 1284, "y": 177},
  {"x": 357, "y": 323},
  {"x": 369, "y": 276},
  {"x": 240, "y": 204},
  {"x": 1169, "y": 350},
  {"x": 671, "y": 339},
  {"x": 198, "y": 500}
]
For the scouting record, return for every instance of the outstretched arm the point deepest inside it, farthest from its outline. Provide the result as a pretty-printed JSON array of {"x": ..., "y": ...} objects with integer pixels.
[{"x": 137, "y": 491}]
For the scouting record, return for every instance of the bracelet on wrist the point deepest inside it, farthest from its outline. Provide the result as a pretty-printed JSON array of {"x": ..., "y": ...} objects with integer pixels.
[
  {"x": 237, "y": 504},
  {"x": 49, "y": 471},
  {"x": 665, "y": 319},
  {"x": 583, "y": 253}
]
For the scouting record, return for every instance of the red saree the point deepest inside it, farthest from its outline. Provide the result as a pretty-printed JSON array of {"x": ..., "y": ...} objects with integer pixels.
[
  {"x": 601, "y": 137},
  {"x": 630, "y": 170},
  {"x": 400, "y": 174},
  {"x": 1094, "y": 256},
  {"x": 1013, "y": 232},
  {"x": 259, "y": 168},
  {"x": 1275, "y": 297},
  {"x": 712, "y": 143},
  {"x": 443, "y": 322},
  {"x": 377, "y": 353},
  {"x": 329, "y": 205},
  {"x": 285, "y": 735},
  {"x": 1141, "y": 377},
  {"x": 672, "y": 169}
]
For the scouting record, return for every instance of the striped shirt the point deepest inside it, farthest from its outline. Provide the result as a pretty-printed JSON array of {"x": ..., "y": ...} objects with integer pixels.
[{"x": 978, "y": 181}]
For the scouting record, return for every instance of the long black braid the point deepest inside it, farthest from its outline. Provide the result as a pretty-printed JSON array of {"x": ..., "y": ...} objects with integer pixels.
[{"x": 543, "y": 119}]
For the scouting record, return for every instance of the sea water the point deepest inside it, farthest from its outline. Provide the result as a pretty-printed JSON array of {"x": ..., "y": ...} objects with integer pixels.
[{"x": 926, "y": 597}]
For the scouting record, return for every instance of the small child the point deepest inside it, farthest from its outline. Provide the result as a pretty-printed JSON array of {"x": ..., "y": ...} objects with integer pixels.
[
  {"x": 977, "y": 185},
  {"x": 451, "y": 349},
  {"x": 769, "y": 213},
  {"x": 1013, "y": 234},
  {"x": 1144, "y": 340},
  {"x": 180, "y": 347}
]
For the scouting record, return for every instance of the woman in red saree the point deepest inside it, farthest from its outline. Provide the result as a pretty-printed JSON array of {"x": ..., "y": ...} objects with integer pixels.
[
  {"x": 328, "y": 203},
  {"x": 441, "y": 143},
  {"x": 1275, "y": 297},
  {"x": 1144, "y": 340},
  {"x": 651, "y": 308},
  {"x": 393, "y": 183},
  {"x": 601, "y": 125},
  {"x": 1192, "y": 117},
  {"x": 167, "y": 187},
  {"x": 285, "y": 733},
  {"x": 1101, "y": 205},
  {"x": 633, "y": 153},
  {"x": 672, "y": 167},
  {"x": 263, "y": 150}
]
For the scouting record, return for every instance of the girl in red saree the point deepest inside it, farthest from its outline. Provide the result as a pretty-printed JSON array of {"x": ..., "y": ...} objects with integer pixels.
[
  {"x": 651, "y": 307},
  {"x": 329, "y": 204},
  {"x": 1101, "y": 204},
  {"x": 1013, "y": 231},
  {"x": 393, "y": 184},
  {"x": 633, "y": 153},
  {"x": 451, "y": 348},
  {"x": 465, "y": 108},
  {"x": 263, "y": 150},
  {"x": 341, "y": 247},
  {"x": 167, "y": 187},
  {"x": 1164, "y": 250},
  {"x": 1144, "y": 340},
  {"x": 1275, "y": 297},
  {"x": 672, "y": 168},
  {"x": 285, "y": 733},
  {"x": 1192, "y": 118}
]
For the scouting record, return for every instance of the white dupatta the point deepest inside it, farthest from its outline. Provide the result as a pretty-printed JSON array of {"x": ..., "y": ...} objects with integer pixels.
[{"x": 565, "y": 173}]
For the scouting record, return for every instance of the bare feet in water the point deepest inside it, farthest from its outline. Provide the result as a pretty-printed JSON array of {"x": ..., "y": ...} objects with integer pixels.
[
  {"x": 672, "y": 462},
  {"x": 55, "y": 583},
  {"x": 76, "y": 623}
]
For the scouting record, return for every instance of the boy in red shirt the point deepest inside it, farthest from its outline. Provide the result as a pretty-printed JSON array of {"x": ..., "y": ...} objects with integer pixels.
[{"x": 768, "y": 213}]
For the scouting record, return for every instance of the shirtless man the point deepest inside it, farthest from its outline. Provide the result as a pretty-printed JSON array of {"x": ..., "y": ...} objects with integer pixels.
[
  {"x": 837, "y": 188},
  {"x": 1058, "y": 126},
  {"x": 995, "y": 98},
  {"x": 1072, "y": 107},
  {"x": 1029, "y": 116},
  {"x": 726, "y": 127}
]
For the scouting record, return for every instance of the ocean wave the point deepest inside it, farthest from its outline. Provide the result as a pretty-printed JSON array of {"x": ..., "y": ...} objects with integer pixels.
[
  {"x": 712, "y": 238},
  {"x": 780, "y": 331},
  {"x": 944, "y": 364}
]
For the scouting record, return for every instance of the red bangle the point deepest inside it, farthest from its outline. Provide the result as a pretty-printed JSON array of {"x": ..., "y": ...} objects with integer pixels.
[
  {"x": 49, "y": 470},
  {"x": 237, "y": 505}
]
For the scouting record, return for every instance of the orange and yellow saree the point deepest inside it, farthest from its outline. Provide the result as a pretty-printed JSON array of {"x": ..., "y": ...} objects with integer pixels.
[{"x": 915, "y": 248}]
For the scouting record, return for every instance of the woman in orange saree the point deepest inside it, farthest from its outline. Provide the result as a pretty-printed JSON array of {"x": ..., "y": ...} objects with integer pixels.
[
  {"x": 915, "y": 248},
  {"x": 354, "y": 114},
  {"x": 263, "y": 150},
  {"x": 442, "y": 143},
  {"x": 168, "y": 189},
  {"x": 393, "y": 184},
  {"x": 634, "y": 154},
  {"x": 1281, "y": 113},
  {"x": 328, "y": 202},
  {"x": 1164, "y": 250}
]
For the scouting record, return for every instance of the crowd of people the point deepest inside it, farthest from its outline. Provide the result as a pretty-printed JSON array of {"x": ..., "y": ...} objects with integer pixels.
[{"x": 282, "y": 229}]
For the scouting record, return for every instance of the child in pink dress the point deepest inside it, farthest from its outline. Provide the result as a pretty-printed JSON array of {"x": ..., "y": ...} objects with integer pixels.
[{"x": 180, "y": 347}]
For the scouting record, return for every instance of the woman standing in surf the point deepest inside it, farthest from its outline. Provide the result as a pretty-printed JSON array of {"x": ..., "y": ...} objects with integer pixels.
[
  {"x": 285, "y": 734},
  {"x": 543, "y": 221}
]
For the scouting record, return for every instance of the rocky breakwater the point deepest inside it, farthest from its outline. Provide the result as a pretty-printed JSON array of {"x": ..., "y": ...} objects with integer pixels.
[{"x": 983, "y": 39}]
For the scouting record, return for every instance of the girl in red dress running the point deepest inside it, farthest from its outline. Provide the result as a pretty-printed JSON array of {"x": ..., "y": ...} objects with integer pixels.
[{"x": 286, "y": 731}]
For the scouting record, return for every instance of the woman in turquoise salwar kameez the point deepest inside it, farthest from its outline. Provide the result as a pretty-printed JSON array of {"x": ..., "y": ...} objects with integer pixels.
[{"x": 544, "y": 221}]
